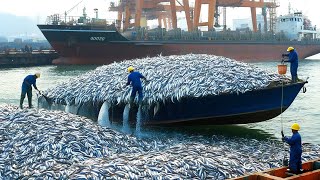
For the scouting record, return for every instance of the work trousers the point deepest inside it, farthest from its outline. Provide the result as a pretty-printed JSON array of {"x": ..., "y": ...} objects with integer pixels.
[
  {"x": 23, "y": 95},
  {"x": 293, "y": 71},
  {"x": 295, "y": 162},
  {"x": 133, "y": 95}
]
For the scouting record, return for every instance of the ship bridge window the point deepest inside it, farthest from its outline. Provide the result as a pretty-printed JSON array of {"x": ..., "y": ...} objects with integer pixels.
[
  {"x": 295, "y": 19},
  {"x": 291, "y": 19}
]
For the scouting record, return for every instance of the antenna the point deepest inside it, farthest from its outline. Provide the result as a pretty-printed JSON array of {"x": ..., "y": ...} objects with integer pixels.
[
  {"x": 67, "y": 12},
  {"x": 73, "y": 7},
  {"x": 84, "y": 12},
  {"x": 96, "y": 11}
]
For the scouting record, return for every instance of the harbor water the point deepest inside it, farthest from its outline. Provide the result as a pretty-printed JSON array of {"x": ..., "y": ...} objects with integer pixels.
[{"x": 304, "y": 109}]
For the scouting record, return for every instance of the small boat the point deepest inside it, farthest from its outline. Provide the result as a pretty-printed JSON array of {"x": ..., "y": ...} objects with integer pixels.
[
  {"x": 249, "y": 107},
  {"x": 229, "y": 108},
  {"x": 311, "y": 170}
]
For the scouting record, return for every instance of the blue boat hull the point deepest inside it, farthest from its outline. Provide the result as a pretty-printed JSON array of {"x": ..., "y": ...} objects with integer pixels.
[{"x": 249, "y": 107}]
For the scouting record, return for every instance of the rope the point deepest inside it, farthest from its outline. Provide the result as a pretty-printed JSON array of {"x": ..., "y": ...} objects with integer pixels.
[
  {"x": 281, "y": 103},
  {"x": 283, "y": 144}
]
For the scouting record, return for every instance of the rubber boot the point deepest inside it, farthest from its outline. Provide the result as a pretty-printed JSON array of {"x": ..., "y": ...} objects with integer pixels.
[
  {"x": 294, "y": 79},
  {"x": 21, "y": 100}
]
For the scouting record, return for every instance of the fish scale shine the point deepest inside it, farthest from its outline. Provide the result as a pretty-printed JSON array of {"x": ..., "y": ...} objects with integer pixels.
[
  {"x": 46, "y": 144},
  {"x": 166, "y": 74}
]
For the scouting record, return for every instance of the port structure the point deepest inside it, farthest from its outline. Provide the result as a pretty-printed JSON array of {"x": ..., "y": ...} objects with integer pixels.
[{"x": 166, "y": 12}]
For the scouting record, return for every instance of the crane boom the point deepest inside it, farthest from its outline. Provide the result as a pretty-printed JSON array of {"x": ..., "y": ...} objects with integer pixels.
[{"x": 67, "y": 12}]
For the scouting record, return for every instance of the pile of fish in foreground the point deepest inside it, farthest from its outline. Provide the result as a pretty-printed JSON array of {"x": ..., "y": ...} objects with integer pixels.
[
  {"x": 170, "y": 78},
  {"x": 56, "y": 145}
]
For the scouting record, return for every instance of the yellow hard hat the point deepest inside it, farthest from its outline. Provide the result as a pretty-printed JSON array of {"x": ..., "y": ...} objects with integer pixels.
[
  {"x": 290, "y": 48},
  {"x": 295, "y": 126},
  {"x": 131, "y": 68},
  {"x": 38, "y": 75}
]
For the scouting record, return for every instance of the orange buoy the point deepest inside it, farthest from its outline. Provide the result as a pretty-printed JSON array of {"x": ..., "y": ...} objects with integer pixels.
[{"x": 282, "y": 69}]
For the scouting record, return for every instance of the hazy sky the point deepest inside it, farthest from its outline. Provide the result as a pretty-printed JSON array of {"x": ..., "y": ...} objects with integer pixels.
[{"x": 40, "y": 9}]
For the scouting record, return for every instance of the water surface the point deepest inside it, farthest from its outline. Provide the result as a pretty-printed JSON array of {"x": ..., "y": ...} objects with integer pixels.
[{"x": 304, "y": 110}]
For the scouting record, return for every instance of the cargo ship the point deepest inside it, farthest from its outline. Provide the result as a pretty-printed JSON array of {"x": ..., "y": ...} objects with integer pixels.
[{"x": 94, "y": 41}]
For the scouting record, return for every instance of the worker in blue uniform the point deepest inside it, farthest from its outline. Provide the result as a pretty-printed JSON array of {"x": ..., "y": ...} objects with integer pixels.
[
  {"x": 293, "y": 59},
  {"x": 27, "y": 89},
  {"x": 134, "y": 80},
  {"x": 295, "y": 148}
]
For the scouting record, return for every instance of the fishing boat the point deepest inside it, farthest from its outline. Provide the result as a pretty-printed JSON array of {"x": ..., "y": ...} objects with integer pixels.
[
  {"x": 229, "y": 108},
  {"x": 311, "y": 170},
  {"x": 249, "y": 107},
  {"x": 98, "y": 41}
]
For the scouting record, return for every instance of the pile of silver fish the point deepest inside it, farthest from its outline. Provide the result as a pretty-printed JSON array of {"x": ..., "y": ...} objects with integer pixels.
[
  {"x": 41, "y": 144},
  {"x": 169, "y": 78},
  {"x": 44, "y": 143}
]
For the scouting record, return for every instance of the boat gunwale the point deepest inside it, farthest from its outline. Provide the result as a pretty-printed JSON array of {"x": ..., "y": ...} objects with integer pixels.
[{"x": 274, "y": 173}]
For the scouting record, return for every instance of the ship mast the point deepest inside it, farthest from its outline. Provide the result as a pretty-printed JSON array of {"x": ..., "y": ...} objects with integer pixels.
[{"x": 67, "y": 12}]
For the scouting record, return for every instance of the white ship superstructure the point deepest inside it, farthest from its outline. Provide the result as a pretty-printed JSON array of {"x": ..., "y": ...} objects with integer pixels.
[{"x": 296, "y": 26}]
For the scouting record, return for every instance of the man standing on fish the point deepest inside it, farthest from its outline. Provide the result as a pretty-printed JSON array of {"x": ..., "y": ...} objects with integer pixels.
[
  {"x": 295, "y": 148},
  {"x": 27, "y": 89},
  {"x": 293, "y": 59},
  {"x": 134, "y": 80}
]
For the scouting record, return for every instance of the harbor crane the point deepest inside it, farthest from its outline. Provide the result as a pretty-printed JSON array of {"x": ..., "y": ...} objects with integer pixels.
[{"x": 166, "y": 11}]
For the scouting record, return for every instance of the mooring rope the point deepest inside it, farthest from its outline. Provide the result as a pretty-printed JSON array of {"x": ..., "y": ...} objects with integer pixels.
[
  {"x": 281, "y": 104},
  {"x": 283, "y": 144}
]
